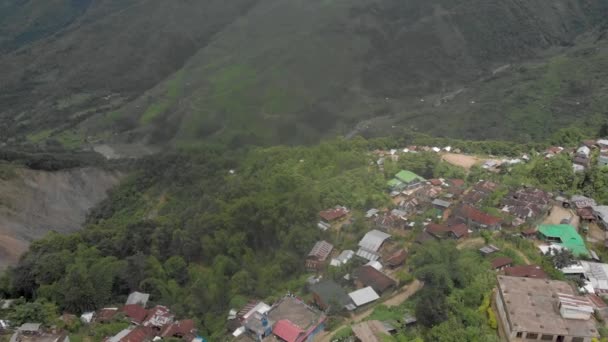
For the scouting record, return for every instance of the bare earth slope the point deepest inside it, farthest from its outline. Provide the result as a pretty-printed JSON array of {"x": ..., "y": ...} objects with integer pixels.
[{"x": 33, "y": 203}]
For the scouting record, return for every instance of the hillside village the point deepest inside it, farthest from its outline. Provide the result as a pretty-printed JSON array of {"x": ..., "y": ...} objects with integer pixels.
[{"x": 545, "y": 250}]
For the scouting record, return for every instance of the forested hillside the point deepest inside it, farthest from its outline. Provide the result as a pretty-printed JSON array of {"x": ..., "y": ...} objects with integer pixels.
[
  {"x": 268, "y": 71},
  {"x": 206, "y": 230}
]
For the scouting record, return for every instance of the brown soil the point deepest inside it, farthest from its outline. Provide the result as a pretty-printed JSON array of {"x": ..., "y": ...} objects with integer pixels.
[
  {"x": 461, "y": 160},
  {"x": 558, "y": 213}
]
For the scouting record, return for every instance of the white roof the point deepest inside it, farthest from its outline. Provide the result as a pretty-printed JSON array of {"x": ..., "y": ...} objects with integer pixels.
[
  {"x": 343, "y": 258},
  {"x": 261, "y": 308},
  {"x": 436, "y": 149},
  {"x": 602, "y": 211},
  {"x": 373, "y": 240},
  {"x": 30, "y": 327},
  {"x": 602, "y": 142},
  {"x": 238, "y": 332},
  {"x": 597, "y": 274},
  {"x": 364, "y": 296},
  {"x": 554, "y": 247},
  {"x": 138, "y": 298},
  {"x": 584, "y": 150},
  {"x": 118, "y": 337},
  {"x": 573, "y": 269},
  {"x": 365, "y": 254},
  {"x": 375, "y": 264},
  {"x": 87, "y": 317},
  {"x": 370, "y": 213}
]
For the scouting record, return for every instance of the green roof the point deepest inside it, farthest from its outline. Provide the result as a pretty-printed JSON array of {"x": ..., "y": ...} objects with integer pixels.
[
  {"x": 408, "y": 176},
  {"x": 568, "y": 236},
  {"x": 393, "y": 183}
]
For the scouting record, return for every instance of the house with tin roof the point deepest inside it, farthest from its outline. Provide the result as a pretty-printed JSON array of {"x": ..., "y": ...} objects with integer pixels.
[
  {"x": 318, "y": 255},
  {"x": 369, "y": 276},
  {"x": 371, "y": 243},
  {"x": 327, "y": 294},
  {"x": 477, "y": 219}
]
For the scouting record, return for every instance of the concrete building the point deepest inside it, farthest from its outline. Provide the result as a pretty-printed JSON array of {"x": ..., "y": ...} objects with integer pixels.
[{"x": 543, "y": 310}]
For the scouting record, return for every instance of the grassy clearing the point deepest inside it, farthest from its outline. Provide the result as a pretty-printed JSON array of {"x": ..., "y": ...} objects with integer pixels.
[
  {"x": 173, "y": 92},
  {"x": 70, "y": 139},
  {"x": 40, "y": 136}
]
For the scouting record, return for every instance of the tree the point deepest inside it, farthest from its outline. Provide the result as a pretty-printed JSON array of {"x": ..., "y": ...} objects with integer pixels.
[
  {"x": 561, "y": 257},
  {"x": 432, "y": 307},
  {"x": 177, "y": 268},
  {"x": 40, "y": 312}
]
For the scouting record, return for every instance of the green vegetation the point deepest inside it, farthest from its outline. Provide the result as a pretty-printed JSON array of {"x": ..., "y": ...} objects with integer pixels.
[
  {"x": 214, "y": 236},
  {"x": 37, "y": 137},
  {"x": 209, "y": 81},
  {"x": 174, "y": 88},
  {"x": 70, "y": 139},
  {"x": 207, "y": 228}
]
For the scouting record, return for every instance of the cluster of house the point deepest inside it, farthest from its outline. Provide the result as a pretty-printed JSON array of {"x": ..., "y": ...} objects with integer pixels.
[
  {"x": 465, "y": 216},
  {"x": 150, "y": 324},
  {"x": 588, "y": 210},
  {"x": 526, "y": 205},
  {"x": 34, "y": 332},
  {"x": 147, "y": 325},
  {"x": 289, "y": 319},
  {"x": 368, "y": 281},
  {"x": 582, "y": 155}
]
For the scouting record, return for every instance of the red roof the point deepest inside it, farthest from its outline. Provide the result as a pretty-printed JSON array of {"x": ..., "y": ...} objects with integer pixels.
[
  {"x": 159, "y": 316},
  {"x": 139, "y": 334},
  {"x": 478, "y": 216},
  {"x": 370, "y": 276},
  {"x": 436, "y": 182},
  {"x": 286, "y": 330},
  {"x": 527, "y": 271},
  {"x": 457, "y": 182},
  {"x": 460, "y": 230},
  {"x": 135, "y": 312},
  {"x": 180, "y": 328},
  {"x": 333, "y": 214},
  {"x": 397, "y": 258},
  {"x": 105, "y": 314},
  {"x": 437, "y": 229},
  {"x": 528, "y": 232},
  {"x": 501, "y": 262},
  {"x": 597, "y": 301}
]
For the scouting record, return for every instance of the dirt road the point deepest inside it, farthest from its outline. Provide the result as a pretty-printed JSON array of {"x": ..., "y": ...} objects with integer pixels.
[
  {"x": 461, "y": 160},
  {"x": 397, "y": 299}
]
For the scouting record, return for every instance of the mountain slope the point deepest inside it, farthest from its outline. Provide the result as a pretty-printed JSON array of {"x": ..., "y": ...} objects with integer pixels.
[
  {"x": 33, "y": 203},
  {"x": 271, "y": 71}
]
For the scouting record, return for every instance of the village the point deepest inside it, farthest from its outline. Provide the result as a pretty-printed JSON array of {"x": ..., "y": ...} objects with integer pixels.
[{"x": 362, "y": 262}]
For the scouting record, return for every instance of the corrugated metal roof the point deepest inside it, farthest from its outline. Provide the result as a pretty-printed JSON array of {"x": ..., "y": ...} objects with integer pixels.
[
  {"x": 364, "y": 296},
  {"x": 138, "y": 298},
  {"x": 321, "y": 250},
  {"x": 373, "y": 240}
]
